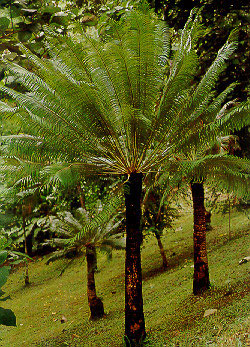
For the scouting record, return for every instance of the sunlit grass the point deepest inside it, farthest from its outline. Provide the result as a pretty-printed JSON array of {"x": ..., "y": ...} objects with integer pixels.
[{"x": 174, "y": 317}]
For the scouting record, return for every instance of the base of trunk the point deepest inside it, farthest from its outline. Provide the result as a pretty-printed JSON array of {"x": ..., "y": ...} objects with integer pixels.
[
  {"x": 164, "y": 266},
  {"x": 26, "y": 280},
  {"x": 201, "y": 283},
  {"x": 132, "y": 343},
  {"x": 201, "y": 273},
  {"x": 96, "y": 309}
]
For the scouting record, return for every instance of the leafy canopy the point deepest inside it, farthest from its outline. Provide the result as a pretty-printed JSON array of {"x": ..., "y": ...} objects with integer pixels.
[{"x": 118, "y": 104}]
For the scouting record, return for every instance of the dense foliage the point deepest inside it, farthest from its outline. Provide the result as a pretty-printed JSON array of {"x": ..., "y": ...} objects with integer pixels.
[{"x": 133, "y": 99}]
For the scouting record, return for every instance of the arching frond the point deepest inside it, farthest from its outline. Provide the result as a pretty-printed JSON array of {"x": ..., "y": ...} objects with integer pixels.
[
  {"x": 118, "y": 104},
  {"x": 226, "y": 172},
  {"x": 88, "y": 226},
  {"x": 102, "y": 224}
]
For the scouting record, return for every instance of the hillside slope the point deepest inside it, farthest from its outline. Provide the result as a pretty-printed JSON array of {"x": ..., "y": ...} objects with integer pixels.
[{"x": 174, "y": 317}]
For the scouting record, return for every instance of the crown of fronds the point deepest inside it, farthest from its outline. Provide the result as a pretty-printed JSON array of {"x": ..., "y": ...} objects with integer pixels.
[
  {"x": 90, "y": 226},
  {"x": 223, "y": 171},
  {"x": 118, "y": 104}
]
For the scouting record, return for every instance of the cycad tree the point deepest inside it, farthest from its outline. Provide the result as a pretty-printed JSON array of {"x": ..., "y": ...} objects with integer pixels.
[
  {"x": 116, "y": 106},
  {"x": 212, "y": 167},
  {"x": 225, "y": 172},
  {"x": 88, "y": 230}
]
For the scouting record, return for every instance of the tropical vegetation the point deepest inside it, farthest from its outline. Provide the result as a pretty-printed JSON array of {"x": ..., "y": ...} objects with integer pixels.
[{"x": 128, "y": 102}]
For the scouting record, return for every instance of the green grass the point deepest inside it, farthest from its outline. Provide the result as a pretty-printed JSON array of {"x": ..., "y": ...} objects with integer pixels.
[{"x": 174, "y": 317}]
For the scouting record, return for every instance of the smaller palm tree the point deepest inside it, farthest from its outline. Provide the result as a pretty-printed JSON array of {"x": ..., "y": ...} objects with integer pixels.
[
  {"x": 88, "y": 230},
  {"x": 224, "y": 172}
]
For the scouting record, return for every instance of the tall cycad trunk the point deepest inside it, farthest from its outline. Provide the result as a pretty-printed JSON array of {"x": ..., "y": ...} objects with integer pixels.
[
  {"x": 201, "y": 273},
  {"x": 95, "y": 303},
  {"x": 134, "y": 316}
]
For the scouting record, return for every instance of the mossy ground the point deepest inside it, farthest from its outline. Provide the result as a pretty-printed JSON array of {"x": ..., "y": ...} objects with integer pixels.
[{"x": 174, "y": 317}]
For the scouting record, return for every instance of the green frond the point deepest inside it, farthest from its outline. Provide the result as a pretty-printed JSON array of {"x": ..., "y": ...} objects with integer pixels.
[
  {"x": 207, "y": 83},
  {"x": 117, "y": 103},
  {"x": 102, "y": 224},
  {"x": 63, "y": 173},
  {"x": 19, "y": 173},
  {"x": 225, "y": 172},
  {"x": 234, "y": 118},
  {"x": 214, "y": 109}
]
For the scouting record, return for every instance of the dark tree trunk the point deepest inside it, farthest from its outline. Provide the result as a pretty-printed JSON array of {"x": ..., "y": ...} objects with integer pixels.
[
  {"x": 163, "y": 255},
  {"x": 29, "y": 243},
  {"x": 95, "y": 303},
  {"x": 134, "y": 317},
  {"x": 201, "y": 274}
]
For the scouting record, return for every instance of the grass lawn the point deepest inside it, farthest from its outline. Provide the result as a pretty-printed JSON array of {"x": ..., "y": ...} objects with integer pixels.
[{"x": 174, "y": 317}]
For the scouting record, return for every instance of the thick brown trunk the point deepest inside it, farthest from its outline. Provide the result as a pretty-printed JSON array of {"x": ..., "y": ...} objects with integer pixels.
[
  {"x": 134, "y": 317},
  {"x": 163, "y": 255},
  {"x": 201, "y": 273},
  {"x": 95, "y": 303}
]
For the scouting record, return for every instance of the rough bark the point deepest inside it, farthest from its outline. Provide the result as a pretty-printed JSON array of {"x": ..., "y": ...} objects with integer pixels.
[
  {"x": 134, "y": 316},
  {"x": 95, "y": 303},
  {"x": 201, "y": 273},
  {"x": 163, "y": 255}
]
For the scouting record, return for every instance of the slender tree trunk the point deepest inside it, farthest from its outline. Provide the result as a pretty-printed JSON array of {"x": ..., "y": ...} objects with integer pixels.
[
  {"x": 163, "y": 255},
  {"x": 134, "y": 316},
  {"x": 83, "y": 206},
  {"x": 26, "y": 278},
  {"x": 95, "y": 303},
  {"x": 81, "y": 196},
  {"x": 154, "y": 222},
  {"x": 201, "y": 273}
]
